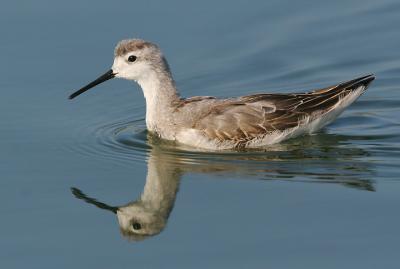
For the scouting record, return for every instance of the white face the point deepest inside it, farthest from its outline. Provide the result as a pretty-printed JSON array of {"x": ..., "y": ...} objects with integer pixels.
[
  {"x": 135, "y": 219},
  {"x": 133, "y": 65}
]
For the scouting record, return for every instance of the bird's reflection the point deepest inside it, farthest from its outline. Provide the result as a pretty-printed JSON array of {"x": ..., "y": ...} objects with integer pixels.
[
  {"x": 312, "y": 161},
  {"x": 148, "y": 214}
]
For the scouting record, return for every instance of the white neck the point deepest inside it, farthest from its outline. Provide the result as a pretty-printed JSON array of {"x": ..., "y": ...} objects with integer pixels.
[
  {"x": 160, "y": 94},
  {"x": 161, "y": 186}
]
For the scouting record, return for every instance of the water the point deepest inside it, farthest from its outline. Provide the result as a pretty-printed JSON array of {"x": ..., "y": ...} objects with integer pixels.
[{"x": 328, "y": 200}]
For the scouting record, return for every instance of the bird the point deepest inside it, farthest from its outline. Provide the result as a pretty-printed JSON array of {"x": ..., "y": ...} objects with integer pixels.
[
  {"x": 211, "y": 123},
  {"x": 147, "y": 215}
]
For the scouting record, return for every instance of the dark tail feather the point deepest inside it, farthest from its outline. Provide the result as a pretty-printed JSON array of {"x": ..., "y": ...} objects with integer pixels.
[{"x": 355, "y": 83}]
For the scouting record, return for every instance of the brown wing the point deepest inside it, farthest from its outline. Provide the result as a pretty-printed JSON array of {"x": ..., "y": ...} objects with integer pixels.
[{"x": 248, "y": 117}]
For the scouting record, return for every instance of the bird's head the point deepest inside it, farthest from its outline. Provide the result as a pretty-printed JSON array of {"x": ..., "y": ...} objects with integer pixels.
[
  {"x": 134, "y": 59},
  {"x": 137, "y": 222}
]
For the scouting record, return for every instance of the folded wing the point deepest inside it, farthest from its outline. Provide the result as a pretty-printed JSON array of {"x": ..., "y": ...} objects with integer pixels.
[{"x": 248, "y": 117}]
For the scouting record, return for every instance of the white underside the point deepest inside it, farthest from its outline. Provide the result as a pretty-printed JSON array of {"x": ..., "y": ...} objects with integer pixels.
[{"x": 195, "y": 138}]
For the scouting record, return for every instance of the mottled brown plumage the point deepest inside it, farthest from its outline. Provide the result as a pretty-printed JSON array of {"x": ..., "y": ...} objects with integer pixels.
[{"x": 249, "y": 117}]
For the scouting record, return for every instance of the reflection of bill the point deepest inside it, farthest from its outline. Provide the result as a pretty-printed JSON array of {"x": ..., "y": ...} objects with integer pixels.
[{"x": 148, "y": 215}]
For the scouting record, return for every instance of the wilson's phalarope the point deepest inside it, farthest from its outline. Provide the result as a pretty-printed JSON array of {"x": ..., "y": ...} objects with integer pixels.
[{"x": 210, "y": 123}]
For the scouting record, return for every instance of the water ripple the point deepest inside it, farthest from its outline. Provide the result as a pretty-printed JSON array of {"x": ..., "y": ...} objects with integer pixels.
[{"x": 349, "y": 149}]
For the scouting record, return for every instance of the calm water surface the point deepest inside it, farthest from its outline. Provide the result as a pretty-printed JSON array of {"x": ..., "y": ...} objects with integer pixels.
[{"x": 330, "y": 200}]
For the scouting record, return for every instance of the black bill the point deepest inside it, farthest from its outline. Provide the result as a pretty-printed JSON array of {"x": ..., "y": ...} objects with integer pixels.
[
  {"x": 108, "y": 75},
  {"x": 80, "y": 195}
]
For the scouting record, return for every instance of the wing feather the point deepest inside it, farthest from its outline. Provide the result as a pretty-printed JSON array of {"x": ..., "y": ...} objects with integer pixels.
[{"x": 248, "y": 117}]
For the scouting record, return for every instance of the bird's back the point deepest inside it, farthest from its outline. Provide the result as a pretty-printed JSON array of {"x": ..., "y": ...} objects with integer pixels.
[{"x": 262, "y": 119}]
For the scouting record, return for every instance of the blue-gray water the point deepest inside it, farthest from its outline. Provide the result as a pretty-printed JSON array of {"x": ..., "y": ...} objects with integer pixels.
[{"x": 325, "y": 201}]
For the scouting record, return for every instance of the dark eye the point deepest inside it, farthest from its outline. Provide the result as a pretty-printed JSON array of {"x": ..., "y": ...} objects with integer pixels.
[
  {"x": 136, "y": 226},
  {"x": 132, "y": 58}
]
